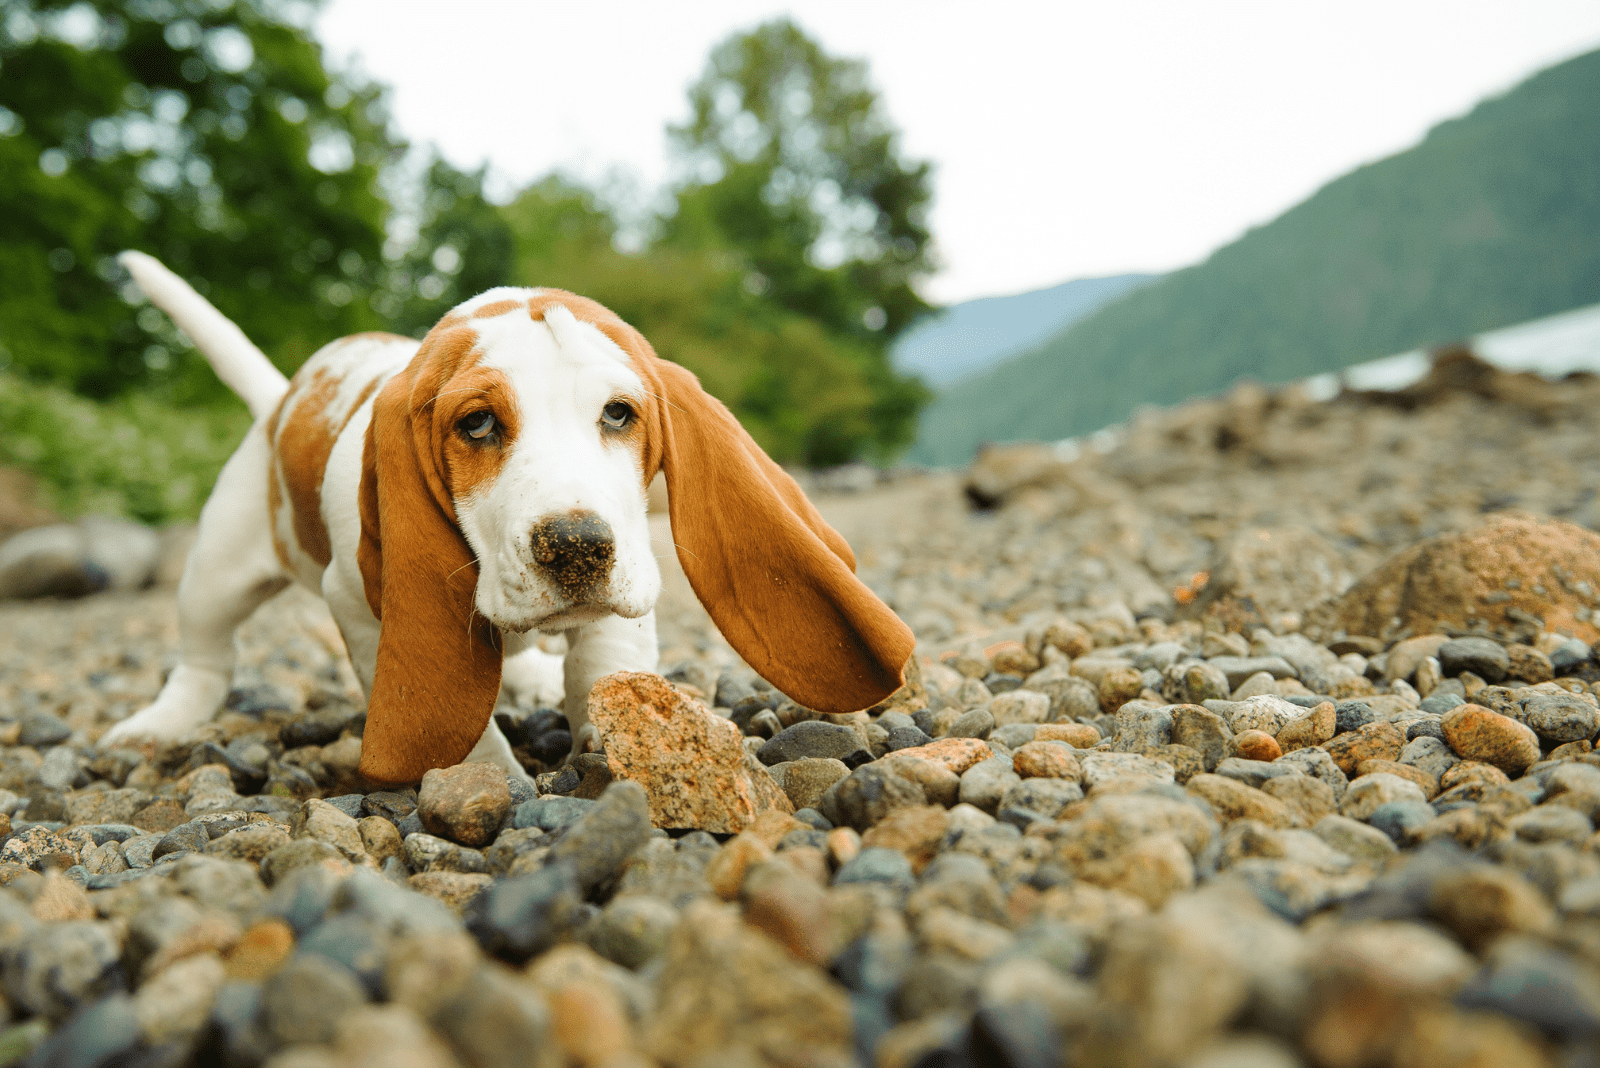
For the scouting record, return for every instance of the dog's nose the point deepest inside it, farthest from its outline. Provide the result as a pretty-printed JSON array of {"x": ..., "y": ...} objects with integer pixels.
[{"x": 575, "y": 549}]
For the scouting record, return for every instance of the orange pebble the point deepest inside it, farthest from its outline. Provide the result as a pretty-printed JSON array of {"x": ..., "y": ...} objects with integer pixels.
[{"x": 1256, "y": 745}]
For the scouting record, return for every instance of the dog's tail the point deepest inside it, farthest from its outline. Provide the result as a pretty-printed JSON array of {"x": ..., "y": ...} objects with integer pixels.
[{"x": 240, "y": 365}]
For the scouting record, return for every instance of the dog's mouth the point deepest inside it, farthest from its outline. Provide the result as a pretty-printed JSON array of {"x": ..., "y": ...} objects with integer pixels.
[{"x": 572, "y": 616}]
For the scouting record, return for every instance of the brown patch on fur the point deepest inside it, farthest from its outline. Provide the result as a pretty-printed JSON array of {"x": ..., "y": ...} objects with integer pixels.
[
  {"x": 303, "y": 448},
  {"x": 470, "y": 465},
  {"x": 499, "y": 307},
  {"x": 438, "y": 666}
]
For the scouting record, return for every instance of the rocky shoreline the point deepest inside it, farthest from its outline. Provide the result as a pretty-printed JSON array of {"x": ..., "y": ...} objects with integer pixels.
[{"x": 1169, "y": 786}]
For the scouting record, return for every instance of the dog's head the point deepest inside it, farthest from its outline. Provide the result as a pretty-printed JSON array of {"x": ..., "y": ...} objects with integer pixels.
[{"x": 503, "y": 488}]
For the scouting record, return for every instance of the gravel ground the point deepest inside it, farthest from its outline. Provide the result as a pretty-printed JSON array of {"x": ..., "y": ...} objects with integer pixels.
[{"x": 1146, "y": 804}]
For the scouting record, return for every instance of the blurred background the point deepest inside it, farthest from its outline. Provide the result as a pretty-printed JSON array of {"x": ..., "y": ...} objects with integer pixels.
[{"x": 880, "y": 233}]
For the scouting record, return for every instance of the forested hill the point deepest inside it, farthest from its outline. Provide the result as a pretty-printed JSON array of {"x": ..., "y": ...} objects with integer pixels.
[
  {"x": 974, "y": 335},
  {"x": 1493, "y": 219}
]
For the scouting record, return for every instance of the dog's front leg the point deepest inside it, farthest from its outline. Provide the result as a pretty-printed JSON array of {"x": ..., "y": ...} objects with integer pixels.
[{"x": 595, "y": 651}]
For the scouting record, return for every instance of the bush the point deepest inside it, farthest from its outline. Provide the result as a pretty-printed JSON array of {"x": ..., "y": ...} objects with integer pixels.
[{"x": 133, "y": 456}]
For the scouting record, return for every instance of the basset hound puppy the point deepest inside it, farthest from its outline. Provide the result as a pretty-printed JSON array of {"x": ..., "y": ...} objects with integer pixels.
[{"x": 453, "y": 498}]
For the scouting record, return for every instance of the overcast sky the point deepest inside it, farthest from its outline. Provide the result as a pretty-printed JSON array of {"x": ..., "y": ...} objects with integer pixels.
[{"x": 1069, "y": 139}]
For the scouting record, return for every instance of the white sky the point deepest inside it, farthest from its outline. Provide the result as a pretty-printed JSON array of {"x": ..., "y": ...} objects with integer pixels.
[{"x": 1070, "y": 139}]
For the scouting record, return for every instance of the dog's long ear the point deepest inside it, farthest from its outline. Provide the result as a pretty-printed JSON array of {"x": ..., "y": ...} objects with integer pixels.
[
  {"x": 438, "y": 666},
  {"x": 778, "y": 581}
]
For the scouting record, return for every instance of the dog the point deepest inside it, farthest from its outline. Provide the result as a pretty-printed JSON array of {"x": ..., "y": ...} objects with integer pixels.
[{"x": 451, "y": 499}]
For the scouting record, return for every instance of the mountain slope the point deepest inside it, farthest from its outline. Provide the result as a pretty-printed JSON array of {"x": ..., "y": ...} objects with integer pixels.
[
  {"x": 1493, "y": 219},
  {"x": 975, "y": 334}
]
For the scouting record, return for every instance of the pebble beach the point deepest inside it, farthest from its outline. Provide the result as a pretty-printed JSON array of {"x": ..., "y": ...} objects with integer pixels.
[{"x": 1254, "y": 733}]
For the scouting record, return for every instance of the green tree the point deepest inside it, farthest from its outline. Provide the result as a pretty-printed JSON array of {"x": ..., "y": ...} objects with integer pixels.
[
  {"x": 793, "y": 164},
  {"x": 210, "y": 135},
  {"x": 463, "y": 247},
  {"x": 793, "y": 385}
]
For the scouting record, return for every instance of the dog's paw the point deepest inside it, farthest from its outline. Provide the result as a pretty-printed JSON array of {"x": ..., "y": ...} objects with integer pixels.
[
  {"x": 586, "y": 740},
  {"x": 188, "y": 699},
  {"x": 152, "y": 724}
]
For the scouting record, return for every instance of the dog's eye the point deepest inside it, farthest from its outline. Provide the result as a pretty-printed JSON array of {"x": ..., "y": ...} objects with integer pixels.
[
  {"x": 616, "y": 415},
  {"x": 477, "y": 426}
]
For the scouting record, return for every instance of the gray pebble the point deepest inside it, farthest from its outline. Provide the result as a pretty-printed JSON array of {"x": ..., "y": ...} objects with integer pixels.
[
  {"x": 40, "y": 729},
  {"x": 1352, "y": 715},
  {"x": 1047, "y": 797},
  {"x": 632, "y": 931},
  {"x": 1430, "y": 725},
  {"x": 1429, "y": 753},
  {"x": 1540, "y": 986},
  {"x": 189, "y": 836},
  {"x": 812, "y": 818},
  {"x": 1255, "y": 772},
  {"x": 1013, "y": 735},
  {"x": 101, "y": 833},
  {"x": 598, "y": 843},
  {"x": 1396, "y": 818},
  {"x": 1560, "y": 717},
  {"x": 1569, "y": 657},
  {"x": 868, "y": 794},
  {"x": 893, "y": 721},
  {"x": 305, "y": 999},
  {"x": 550, "y": 813},
  {"x": 877, "y": 865},
  {"x": 57, "y": 967},
  {"x": 983, "y": 784},
  {"x": 426, "y": 852},
  {"x": 59, "y": 769},
  {"x": 804, "y": 838},
  {"x": 976, "y": 723},
  {"x": 140, "y": 851},
  {"x": 1484, "y": 657},
  {"x": 522, "y": 790},
  {"x": 1316, "y": 762},
  {"x": 1239, "y": 668},
  {"x": 235, "y": 1024},
  {"x": 526, "y": 914},
  {"x": 349, "y": 804},
  {"x": 906, "y": 738},
  {"x": 392, "y": 805},
  {"x": 809, "y": 738}
]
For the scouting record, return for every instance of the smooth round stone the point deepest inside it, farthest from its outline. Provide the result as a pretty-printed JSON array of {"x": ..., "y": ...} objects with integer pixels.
[
  {"x": 1542, "y": 987},
  {"x": 877, "y": 865},
  {"x": 1014, "y": 735},
  {"x": 1443, "y": 701},
  {"x": 1561, "y": 717},
  {"x": 1396, "y": 818},
  {"x": 1569, "y": 657},
  {"x": 812, "y": 818},
  {"x": 809, "y": 738},
  {"x": 1483, "y": 657},
  {"x": 1429, "y": 726},
  {"x": 999, "y": 683},
  {"x": 907, "y": 738},
  {"x": 550, "y": 813},
  {"x": 40, "y": 729}
]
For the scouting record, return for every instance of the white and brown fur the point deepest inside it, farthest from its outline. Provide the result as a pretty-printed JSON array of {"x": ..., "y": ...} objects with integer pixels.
[{"x": 434, "y": 547}]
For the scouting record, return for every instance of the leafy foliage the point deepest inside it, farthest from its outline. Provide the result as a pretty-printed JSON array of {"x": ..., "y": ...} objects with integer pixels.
[
  {"x": 209, "y": 135},
  {"x": 794, "y": 165},
  {"x": 1493, "y": 219},
  {"x": 131, "y": 456},
  {"x": 801, "y": 392}
]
